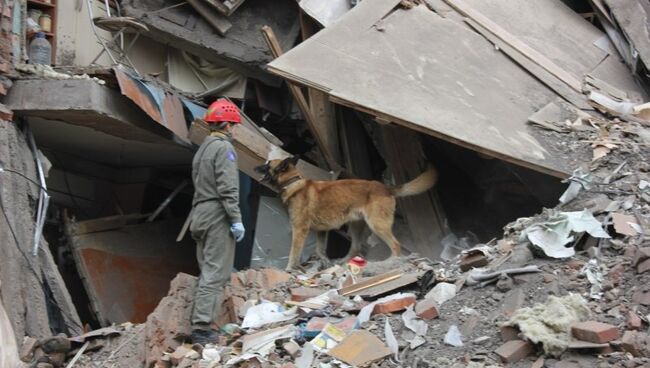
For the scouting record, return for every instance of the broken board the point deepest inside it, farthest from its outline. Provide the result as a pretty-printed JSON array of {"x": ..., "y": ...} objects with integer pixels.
[
  {"x": 458, "y": 88},
  {"x": 360, "y": 348}
]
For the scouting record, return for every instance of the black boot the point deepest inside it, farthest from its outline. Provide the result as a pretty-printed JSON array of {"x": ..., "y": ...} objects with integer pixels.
[{"x": 204, "y": 337}]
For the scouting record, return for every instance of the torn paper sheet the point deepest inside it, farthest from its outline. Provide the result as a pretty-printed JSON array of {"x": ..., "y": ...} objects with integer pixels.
[
  {"x": 391, "y": 341},
  {"x": 306, "y": 356},
  {"x": 413, "y": 322},
  {"x": 266, "y": 313},
  {"x": 553, "y": 235},
  {"x": 263, "y": 343},
  {"x": 442, "y": 292},
  {"x": 453, "y": 337}
]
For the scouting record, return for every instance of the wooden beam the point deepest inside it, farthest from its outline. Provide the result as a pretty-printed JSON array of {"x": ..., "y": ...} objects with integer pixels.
[
  {"x": 276, "y": 50},
  {"x": 424, "y": 214}
]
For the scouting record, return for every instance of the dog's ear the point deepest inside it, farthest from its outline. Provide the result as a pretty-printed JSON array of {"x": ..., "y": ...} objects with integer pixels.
[{"x": 294, "y": 160}]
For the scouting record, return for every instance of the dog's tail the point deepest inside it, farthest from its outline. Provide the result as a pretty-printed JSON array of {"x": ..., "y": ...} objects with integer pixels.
[{"x": 421, "y": 184}]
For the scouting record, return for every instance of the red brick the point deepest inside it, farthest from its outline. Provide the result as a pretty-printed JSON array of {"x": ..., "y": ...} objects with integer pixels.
[
  {"x": 514, "y": 351},
  {"x": 395, "y": 305},
  {"x": 644, "y": 266},
  {"x": 633, "y": 321},
  {"x": 596, "y": 332},
  {"x": 3, "y": 90},
  {"x": 469, "y": 261},
  {"x": 509, "y": 333},
  {"x": 427, "y": 309},
  {"x": 301, "y": 294}
]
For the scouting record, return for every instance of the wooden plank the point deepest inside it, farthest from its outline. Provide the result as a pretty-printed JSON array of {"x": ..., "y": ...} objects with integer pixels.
[
  {"x": 276, "y": 50},
  {"x": 216, "y": 20},
  {"x": 517, "y": 44},
  {"x": 403, "y": 280},
  {"x": 371, "y": 282},
  {"x": 424, "y": 213}
]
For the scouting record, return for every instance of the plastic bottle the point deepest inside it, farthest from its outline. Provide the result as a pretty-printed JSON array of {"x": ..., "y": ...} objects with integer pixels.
[{"x": 40, "y": 50}]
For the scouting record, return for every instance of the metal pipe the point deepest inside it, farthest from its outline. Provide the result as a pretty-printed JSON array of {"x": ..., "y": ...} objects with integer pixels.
[
  {"x": 169, "y": 198},
  {"x": 44, "y": 197}
]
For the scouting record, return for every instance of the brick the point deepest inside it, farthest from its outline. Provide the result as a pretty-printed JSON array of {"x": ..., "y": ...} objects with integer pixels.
[
  {"x": 177, "y": 356},
  {"x": 301, "y": 294},
  {"x": 548, "y": 278},
  {"x": 3, "y": 90},
  {"x": 633, "y": 321},
  {"x": 509, "y": 333},
  {"x": 644, "y": 266},
  {"x": 641, "y": 297},
  {"x": 596, "y": 332},
  {"x": 427, "y": 309},
  {"x": 27, "y": 349},
  {"x": 469, "y": 261},
  {"x": 514, "y": 351},
  {"x": 394, "y": 305}
]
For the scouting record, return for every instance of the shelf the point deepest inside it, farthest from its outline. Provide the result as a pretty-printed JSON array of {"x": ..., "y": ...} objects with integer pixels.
[{"x": 40, "y": 4}]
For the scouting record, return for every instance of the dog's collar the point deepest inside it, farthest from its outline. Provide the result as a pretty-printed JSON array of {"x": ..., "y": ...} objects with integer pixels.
[{"x": 286, "y": 184}]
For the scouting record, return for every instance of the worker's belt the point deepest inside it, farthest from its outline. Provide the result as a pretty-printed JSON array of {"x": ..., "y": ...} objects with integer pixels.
[{"x": 205, "y": 200}]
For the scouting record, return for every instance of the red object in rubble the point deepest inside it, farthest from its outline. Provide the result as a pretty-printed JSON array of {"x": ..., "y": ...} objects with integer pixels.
[{"x": 358, "y": 261}]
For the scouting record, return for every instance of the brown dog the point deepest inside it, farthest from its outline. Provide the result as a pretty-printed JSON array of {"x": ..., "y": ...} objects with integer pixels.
[{"x": 328, "y": 205}]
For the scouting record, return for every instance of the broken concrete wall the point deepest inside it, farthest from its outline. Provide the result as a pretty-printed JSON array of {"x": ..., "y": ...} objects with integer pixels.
[{"x": 34, "y": 295}]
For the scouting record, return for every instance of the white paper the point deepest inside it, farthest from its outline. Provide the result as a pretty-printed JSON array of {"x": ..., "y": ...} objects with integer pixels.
[
  {"x": 391, "y": 341},
  {"x": 453, "y": 337},
  {"x": 266, "y": 313},
  {"x": 413, "y": 323},
  {"x": 442, "y": 292}
]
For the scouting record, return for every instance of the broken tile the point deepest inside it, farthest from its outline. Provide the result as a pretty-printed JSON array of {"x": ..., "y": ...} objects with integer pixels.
[
  {"x": 427, "y": 309},
  {"x": 359, "y": 349},
  {"x": 633, "y": 321}
]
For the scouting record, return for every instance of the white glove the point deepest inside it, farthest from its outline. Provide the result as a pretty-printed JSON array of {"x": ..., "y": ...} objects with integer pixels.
[{"x": 237, "y": 229}]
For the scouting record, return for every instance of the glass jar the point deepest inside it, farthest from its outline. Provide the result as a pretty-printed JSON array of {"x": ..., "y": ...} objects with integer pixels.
[{"x": 45, "y": 22}]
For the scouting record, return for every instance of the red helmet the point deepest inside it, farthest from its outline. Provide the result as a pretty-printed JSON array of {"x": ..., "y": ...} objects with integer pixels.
[{"x": 222, "y": 110}]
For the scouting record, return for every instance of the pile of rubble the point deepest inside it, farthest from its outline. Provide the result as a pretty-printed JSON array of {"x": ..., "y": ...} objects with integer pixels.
[{"x": 569, "y": 287}]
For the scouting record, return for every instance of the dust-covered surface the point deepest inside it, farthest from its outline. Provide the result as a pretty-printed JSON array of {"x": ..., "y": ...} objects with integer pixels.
[{"x": 26, "y": 278}]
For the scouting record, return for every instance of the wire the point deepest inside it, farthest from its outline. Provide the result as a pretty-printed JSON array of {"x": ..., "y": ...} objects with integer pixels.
[
  {"x": 38, "y": 279},
  {"x": 2, "y": 169}
]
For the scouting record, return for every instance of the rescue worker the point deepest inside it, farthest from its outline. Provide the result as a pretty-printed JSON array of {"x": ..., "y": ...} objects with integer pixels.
[{"x": 216, "y": 222}]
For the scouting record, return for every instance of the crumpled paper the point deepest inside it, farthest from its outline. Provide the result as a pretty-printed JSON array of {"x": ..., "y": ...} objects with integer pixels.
[{"x": 552, "y": 236}]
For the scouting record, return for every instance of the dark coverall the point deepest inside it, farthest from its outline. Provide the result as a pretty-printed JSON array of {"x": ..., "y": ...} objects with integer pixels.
[{"x": 215, "y": 209}]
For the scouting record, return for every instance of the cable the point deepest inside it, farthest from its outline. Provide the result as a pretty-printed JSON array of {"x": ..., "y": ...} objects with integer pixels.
[
  {"x": 29, "y": 264},
  {"x": 2, "y": 169}
]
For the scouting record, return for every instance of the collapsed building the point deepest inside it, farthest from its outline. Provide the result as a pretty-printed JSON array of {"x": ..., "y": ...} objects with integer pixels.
[{"x": 504, "y": 98}]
